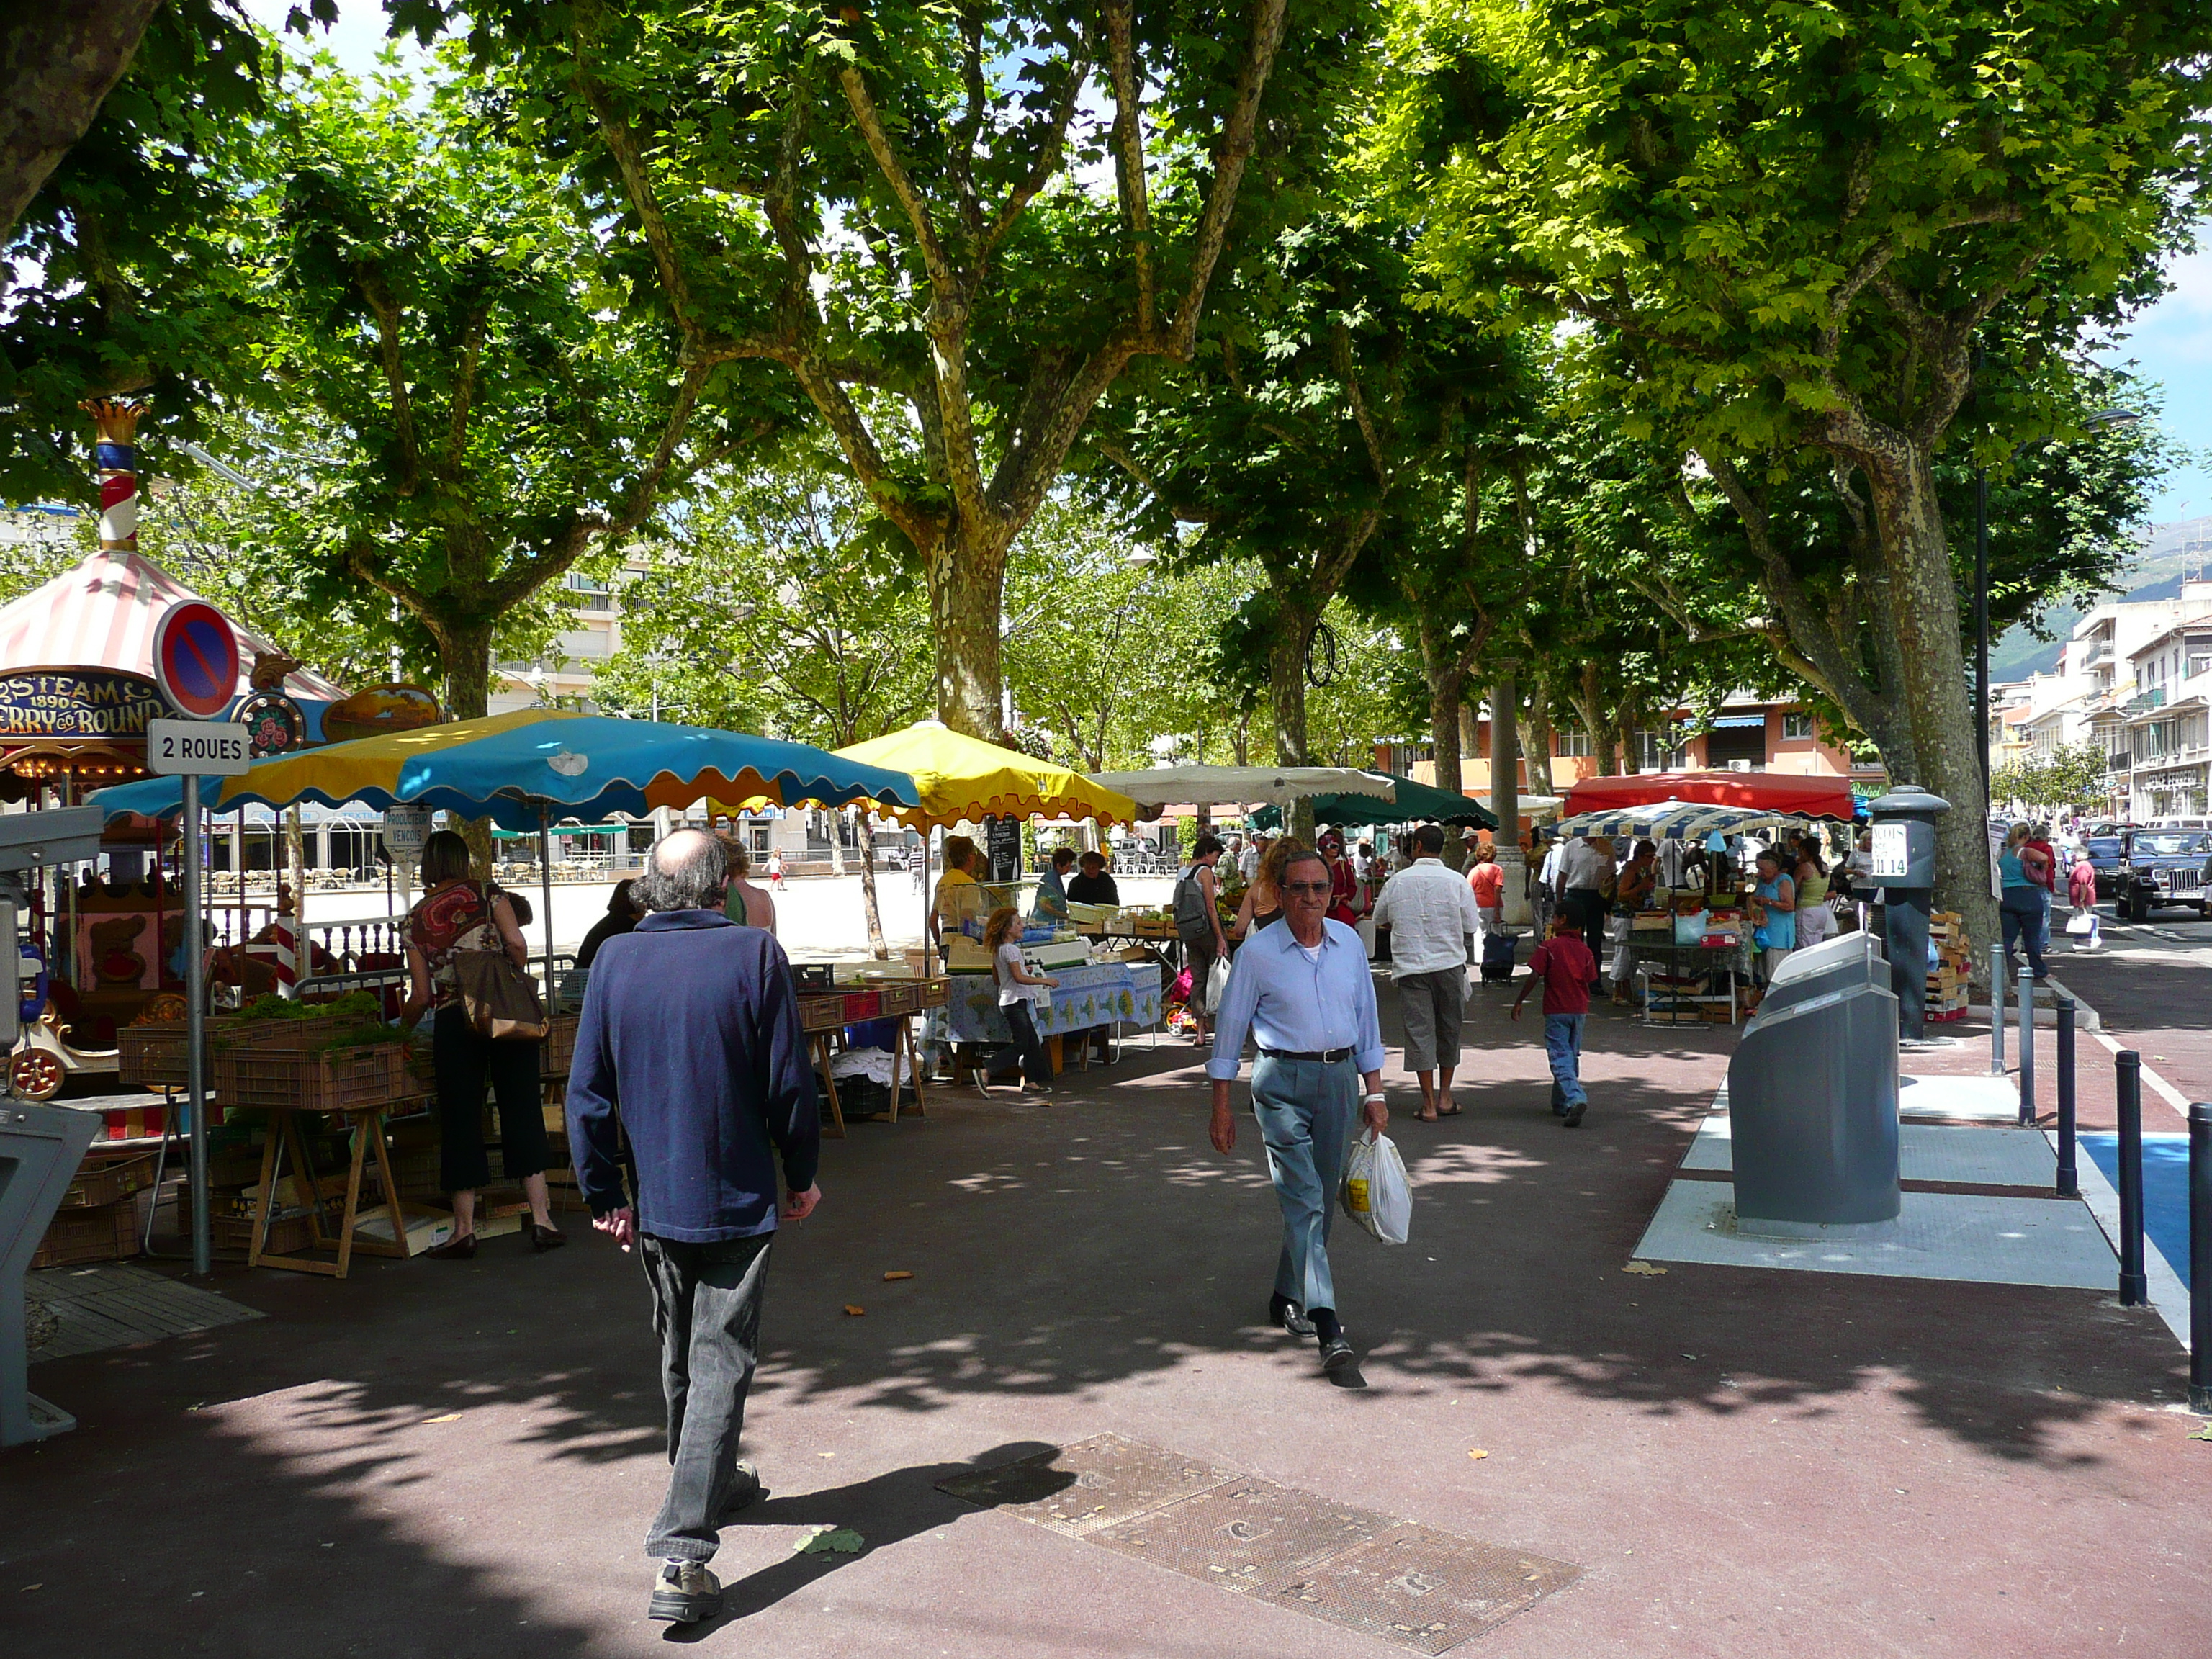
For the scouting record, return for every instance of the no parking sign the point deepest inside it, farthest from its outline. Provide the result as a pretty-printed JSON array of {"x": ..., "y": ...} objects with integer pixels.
[{"x": 196, "y": 659}]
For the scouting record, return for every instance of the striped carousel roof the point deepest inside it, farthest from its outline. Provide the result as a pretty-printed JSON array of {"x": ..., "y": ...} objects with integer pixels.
[
  {"x": 1675, "y": 820},
  {"x": 101, "y": 615}
]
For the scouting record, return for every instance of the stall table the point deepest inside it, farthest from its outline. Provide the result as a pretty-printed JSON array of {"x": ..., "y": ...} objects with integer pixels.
[
  {"x": 366, "y": 1123},
  {"x": 821, "y": 1016},
  {"x": 1097, "y": 994},
  {"x": 1701, "y": 960}
]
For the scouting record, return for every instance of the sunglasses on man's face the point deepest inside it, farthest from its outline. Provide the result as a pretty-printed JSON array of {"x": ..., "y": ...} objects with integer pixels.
[{"x": 1308, "y": 889}]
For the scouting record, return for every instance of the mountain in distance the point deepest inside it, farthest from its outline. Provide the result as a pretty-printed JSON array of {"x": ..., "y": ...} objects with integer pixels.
[{"x": 2169, "y": 552}]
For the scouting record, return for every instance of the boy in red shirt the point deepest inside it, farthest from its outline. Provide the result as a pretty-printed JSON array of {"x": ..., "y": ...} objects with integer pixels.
[{"x": 1568, "y": 970}]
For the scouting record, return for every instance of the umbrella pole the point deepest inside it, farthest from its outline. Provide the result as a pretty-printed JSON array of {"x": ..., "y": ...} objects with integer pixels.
[
  {"x": 546, "y": 888},
  {"x": 928, "y": 907}
]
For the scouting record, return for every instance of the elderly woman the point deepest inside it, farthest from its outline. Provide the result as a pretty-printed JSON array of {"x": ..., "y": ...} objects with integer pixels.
[
  {"x": 455, "y": 917},
  {"x": 1093, "y": 885}
]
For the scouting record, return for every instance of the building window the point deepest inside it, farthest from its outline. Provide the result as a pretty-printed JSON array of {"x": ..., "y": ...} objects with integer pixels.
[
  {"x": 1572, "y": 742},
  {"x": 1659, "y": 752},
  {"x": 577, "y": 582},
  {"x": 1797, "y": 725}
]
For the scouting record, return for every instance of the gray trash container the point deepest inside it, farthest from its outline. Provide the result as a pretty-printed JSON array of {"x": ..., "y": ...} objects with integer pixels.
[{"x": 1812, "y": 1096}]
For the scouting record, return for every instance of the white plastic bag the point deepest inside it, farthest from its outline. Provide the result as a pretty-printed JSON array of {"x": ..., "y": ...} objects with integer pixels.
[
  {"x": 1217, "y": 984},
  {"x": 1376, "y": 1194}
]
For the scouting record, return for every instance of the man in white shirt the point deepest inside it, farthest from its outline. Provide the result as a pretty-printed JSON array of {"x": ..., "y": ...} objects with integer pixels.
[
  {"x": 1431, "y": 913},
  {"x": 1248, "y": 861},
  {"x": 1585, "y": 871}
]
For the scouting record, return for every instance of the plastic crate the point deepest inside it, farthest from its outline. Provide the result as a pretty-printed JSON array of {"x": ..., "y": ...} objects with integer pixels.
[
  {"x": 110, "y": 1181},
  {"x": 108, "y": 1233},
  {"x": 313, "y": 1079}
]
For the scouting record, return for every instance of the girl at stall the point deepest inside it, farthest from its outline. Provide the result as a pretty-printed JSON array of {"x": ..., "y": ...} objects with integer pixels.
[
  {"x": 1263, "y": 899},
  {"x": 1019, "y": 992}
]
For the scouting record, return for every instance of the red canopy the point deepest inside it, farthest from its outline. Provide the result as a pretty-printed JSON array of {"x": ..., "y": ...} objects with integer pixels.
[{"x": 1824, "y": 797}]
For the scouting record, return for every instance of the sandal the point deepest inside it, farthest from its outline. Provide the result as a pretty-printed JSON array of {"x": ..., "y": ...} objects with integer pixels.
[{"x": 1452, "y": 1110}]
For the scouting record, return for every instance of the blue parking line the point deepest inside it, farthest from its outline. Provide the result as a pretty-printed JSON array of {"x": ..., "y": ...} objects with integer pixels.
[{"x": 2166, "y": 1191}]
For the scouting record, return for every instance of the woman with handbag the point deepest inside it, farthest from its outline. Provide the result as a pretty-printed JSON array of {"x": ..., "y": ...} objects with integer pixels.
[
  {"x": 1198, "y": 927},
  {"x": 466, "y": 961}
]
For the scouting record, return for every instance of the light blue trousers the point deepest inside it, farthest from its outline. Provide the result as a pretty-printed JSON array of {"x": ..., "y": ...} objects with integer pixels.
[
  {"x": 1563, "y": 1047},
  {"x": 1305, "y": 1111}
]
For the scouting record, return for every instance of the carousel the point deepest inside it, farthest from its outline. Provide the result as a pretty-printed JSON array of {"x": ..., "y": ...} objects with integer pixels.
[{"x": 77, "y": 688}]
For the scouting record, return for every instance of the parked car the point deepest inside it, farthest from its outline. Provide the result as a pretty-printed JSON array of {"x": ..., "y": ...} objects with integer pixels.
[
  {"x": 2164, "y": 868},
  {"x": 2105, "y": 853}
]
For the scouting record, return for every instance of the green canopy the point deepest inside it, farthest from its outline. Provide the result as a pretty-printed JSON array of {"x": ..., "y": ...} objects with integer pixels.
[{"x": 1411, "y": 803}]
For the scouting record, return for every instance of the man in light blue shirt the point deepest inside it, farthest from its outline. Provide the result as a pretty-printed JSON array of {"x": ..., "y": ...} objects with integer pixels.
[{"x": 1304, "y": 992}]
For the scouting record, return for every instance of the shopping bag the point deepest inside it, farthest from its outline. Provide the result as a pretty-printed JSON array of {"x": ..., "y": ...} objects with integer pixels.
[
  {"x": 1217, "y": 983},
  {"x": 2081, "y": 924},
  {"x": 1376, "y": 1192}
]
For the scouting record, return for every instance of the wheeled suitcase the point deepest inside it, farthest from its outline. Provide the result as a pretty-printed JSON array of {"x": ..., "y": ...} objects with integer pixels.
[{"x": 1497, "y": 957}]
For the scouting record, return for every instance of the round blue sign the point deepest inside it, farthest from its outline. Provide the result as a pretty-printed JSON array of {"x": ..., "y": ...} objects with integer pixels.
[{"x": 196, "y": 658}]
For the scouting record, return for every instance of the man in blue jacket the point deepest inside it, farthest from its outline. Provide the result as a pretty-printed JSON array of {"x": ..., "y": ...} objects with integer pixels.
[{"x": 690, "y": 1033}]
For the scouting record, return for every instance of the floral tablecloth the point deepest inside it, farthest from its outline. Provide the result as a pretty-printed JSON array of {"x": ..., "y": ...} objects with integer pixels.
[{"x": 1100, "y": 993}]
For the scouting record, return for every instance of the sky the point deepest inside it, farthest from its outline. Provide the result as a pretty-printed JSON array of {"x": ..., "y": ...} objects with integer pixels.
[{"x": 2169, "y": 344}]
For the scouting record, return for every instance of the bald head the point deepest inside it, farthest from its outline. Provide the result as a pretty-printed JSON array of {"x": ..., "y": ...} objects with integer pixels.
[{"x": 686, "y": 871}]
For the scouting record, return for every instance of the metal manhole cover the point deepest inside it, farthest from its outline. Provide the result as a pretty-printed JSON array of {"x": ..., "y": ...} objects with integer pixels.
[
  {"x": 1092, "y": 1484},
  {"x": 1423, "y": 1589},
  {"x": 1243, "y": 1536}
]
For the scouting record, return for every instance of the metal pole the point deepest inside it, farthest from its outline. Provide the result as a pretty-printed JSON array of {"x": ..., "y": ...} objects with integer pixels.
[
  {"x": 2070, "y": 1180},
  {"x": 2200, "y": 1257},
  {"x": 1996, "y": 1008},
  {"x": 2135, "y": 1288},
  {"x": 2026, "y": 1046},
  {"x": 545, "y": 889},
  {"x": 196, "y": 1181}
]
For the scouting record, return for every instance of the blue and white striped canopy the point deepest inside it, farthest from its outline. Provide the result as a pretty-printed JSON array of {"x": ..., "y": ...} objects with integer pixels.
[{"x": 1675, "y": 820}]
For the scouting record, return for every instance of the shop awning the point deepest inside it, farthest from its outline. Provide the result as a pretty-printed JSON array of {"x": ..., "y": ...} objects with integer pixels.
[{"x": 1735, "y": 722}]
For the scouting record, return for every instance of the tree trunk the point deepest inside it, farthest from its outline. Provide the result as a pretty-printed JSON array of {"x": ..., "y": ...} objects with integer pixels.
[
  {"x": 1629, "y": 759},
  {"x": 1446, "y": 694},
  {"x": 1538, "y": 745},
  {"x": 1924, "y": 611},
  {"x": 1286, "y": 682},
  {"x": 966, "y": 586},
  {"x": 877, "y": 948},
  {"x": 1590, "y": 709},
  {"x": 1505, "y": 796},
  {"x": 465, "y": 653},
  {"x": 836, "y": 844}
]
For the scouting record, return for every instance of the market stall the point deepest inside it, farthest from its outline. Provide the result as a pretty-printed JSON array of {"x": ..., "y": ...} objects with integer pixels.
[
  {"x": 1409, "y": 801},
  {"x": 1689, "y": 947},
  {"x": 521, "y": 770},
  {"x": 963, "y": 780}
]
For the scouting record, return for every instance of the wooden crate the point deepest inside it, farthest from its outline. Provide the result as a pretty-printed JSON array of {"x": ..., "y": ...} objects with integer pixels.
[
  {"x": 290, "y": 1237},
  {"x": 108, "y": 1233},
  {"x": 312, "y": 1079},
  {"x": 109, "y": 1181},
  {"x": 560, "y": 1043}
]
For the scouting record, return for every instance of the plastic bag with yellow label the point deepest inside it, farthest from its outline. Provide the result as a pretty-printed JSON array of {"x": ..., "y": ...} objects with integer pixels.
[{"x": 1376, "y": 1194}]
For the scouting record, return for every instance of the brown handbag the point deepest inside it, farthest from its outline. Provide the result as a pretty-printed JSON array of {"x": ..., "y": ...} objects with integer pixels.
[{"x": 501, "y": 999}]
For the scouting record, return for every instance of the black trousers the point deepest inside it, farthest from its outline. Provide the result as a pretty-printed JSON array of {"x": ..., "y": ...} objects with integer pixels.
[
  {"x": 465, "y": 1063},
  {"x": 1037, "y": 1065},
  {"x": 1587, "y": 908},
  {"x": 706, "y": 1309}
]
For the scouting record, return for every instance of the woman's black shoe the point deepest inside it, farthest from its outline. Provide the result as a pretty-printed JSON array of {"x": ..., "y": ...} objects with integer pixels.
[
  {"x": 459, "y": 1248},
  {"x": 543, "y": 1239}
]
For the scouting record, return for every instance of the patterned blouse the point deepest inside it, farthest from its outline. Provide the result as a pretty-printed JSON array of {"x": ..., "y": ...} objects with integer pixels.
[{"x": 455, "y": 919}]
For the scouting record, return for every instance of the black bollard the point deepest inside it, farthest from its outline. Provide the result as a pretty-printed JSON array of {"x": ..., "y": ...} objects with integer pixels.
[
  {"x": 2127, "y": 1067},
  {"x": 2027, "y": 1048},
  {"x": 2200, "y": 1258},
  {"x": 2070, "y": 1180}
]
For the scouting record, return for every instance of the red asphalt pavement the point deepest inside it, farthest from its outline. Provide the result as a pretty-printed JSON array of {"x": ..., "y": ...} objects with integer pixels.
[{"x": 442, "y": 1459}]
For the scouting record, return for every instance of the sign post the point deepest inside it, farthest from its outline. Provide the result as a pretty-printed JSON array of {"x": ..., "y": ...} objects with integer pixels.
[{"x": 196, "y": 663}]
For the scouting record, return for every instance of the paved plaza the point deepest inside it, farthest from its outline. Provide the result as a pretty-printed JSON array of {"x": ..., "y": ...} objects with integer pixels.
[{"x": 459, "y": 1458}]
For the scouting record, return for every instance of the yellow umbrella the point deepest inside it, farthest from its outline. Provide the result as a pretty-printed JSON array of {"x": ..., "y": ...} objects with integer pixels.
[{"x": 960, "y": 777}]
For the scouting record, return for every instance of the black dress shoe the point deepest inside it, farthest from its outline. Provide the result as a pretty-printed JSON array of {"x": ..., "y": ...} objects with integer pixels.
[
  {"x": 1337, "y": 1357},
  {"x": 543, "y": 1239},
  {"x": 459, "y": 1248},
  {"x": 1572, "y": 1118},
  {"x": 1291, "y": 1316}
]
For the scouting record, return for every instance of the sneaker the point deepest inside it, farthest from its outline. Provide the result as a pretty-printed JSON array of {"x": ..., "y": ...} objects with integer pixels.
[
  {"x": 684, "y": 1593},
  {"x": 745, "y": 1490},
  {"x": 1572, "y": 1118}
]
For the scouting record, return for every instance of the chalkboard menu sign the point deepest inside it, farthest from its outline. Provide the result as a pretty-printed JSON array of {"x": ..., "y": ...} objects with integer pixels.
[
  {"x": 1002, "y": 846},
  {"x": 47, "y": 703}
]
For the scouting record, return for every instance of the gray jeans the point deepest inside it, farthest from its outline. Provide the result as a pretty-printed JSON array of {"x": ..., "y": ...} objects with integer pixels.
[
  {"x": 1305, "y": 1111},
  {"x": 706, "y": 1307},
  {"x": 1433, "y": 1006}
]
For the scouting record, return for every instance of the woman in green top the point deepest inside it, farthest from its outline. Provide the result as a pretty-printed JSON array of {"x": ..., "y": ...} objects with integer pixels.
[{"x": 2022, "y": 872}]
